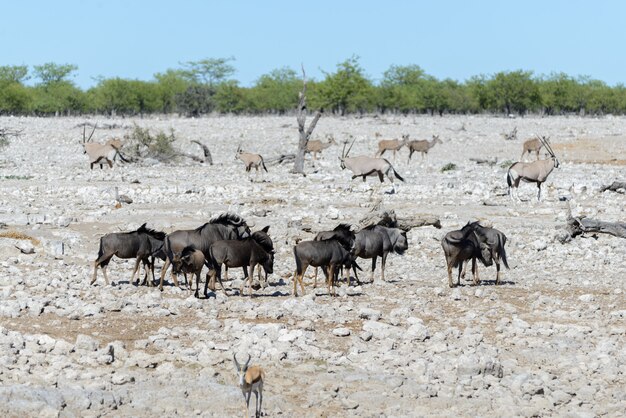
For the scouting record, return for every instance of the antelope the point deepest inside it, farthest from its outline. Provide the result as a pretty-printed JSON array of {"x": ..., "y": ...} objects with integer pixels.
[
  {"x": 101, "y": 153},
  {"x": 459, "y": 246},
  {"x": 535, "y": 172},
  {"x": 391, "y": 145},
  {"x": 495, "y": 241},
  {"x": 316, "y": 146},
  {"x": 363, "y": 166},
  {"x": 250, "y": 160},
  {"x": 533, "y": 144},
  {"x": 422, "y": 146},
  {"x": 250, "y": 380}
]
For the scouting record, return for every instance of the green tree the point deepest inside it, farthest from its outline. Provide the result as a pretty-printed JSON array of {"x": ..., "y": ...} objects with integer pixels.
[
  {"x": 276, "y": 91},
  {"x": 171, "y": 83},
  {"x": 15, "y": 99},
  {"x": 13, "y": 74},
  {"x": 50, "y": 72},
  {"x": 346, "y": 90},
  {"x": 401, "y": 89},
  {"x": 210, "y": 71},
  {"x": 515, "y": 91},
  {"x": 230, "y": 98}
]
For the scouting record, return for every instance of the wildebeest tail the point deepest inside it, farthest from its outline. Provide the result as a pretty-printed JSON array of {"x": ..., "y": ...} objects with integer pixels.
[
  {"x": 298, "y": 261},
  {"x": 501, "y": 243},
  {"x": 263, "y": 164}
]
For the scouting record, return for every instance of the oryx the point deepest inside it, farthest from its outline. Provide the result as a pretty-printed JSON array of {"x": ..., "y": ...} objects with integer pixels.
[
  {"x": 363, "y": 166},
  {"x": 535, "y": 172}
]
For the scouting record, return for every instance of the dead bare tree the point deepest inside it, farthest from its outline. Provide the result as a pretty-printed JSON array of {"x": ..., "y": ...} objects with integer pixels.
[
  {"x": 581, "y": 225},
  {"x": 305, "y": 133}
]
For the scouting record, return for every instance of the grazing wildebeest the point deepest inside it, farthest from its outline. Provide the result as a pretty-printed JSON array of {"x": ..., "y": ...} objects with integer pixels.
[
  {"x": 329, "y": 254},
  {"x": 364, "y": 166},
  {"x": 535, "y": 172},
  {"x": 495, "y": 240},
  {"x": 345, "y": 233},
  {"x": 378, "y": 241},
  {"x": 144, "y": 244},
  {"x": 459, "y": 246},
  {"x": 190, "y": 261},
  {"x": 247, "y": 253},
  {"x": 250, "y": 380},
  {"x": 220, "y": 227}
]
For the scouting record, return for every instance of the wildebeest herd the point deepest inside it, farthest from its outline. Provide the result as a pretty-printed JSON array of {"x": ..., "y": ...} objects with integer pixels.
[{"x": 226, "y": 240}]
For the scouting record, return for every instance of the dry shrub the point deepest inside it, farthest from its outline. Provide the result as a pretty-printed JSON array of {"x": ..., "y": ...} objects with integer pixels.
[
  {"x": 19, "y": 236},
  {"x": 143, "y": 144}
]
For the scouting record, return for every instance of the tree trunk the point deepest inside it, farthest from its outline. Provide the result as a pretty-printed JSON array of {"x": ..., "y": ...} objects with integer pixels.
[
  {"x": 305, "y": 134},
  {"x": 379, "y": 216}
]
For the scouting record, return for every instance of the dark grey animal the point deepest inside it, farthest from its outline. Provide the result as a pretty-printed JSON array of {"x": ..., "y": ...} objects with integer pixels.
[
  {"x": 144, "y": 244},
  {"x": 378, "y": 241},
  {"x": 190, "y": 261},
  {"x": 345, "y": 234},
  {"x": 247, "y": 253},
  {"x": 220, "y": 227},
  {"x": 495, "y": 240},
  {"x": 329, "y": 254},
  {"x": 459, "y": 246}
]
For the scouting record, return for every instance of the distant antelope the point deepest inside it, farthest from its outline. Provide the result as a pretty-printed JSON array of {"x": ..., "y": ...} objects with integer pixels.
[
  {"x": 363, "y": 166},
  {"x": 535, "y": 172},
  {"x": 250, "y": 160},
  {"x": 422, "y": 146},
  {"x": 101, "y": 153},
  {"x": 391, "y": 145},
  {"x": 250, "y": 380},
  {"x": 316, "y": 146},
  {"x": 533, "y": 144}
]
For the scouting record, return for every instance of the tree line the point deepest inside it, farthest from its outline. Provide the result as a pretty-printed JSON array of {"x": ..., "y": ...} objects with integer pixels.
[{"x": 207, "y": 86}]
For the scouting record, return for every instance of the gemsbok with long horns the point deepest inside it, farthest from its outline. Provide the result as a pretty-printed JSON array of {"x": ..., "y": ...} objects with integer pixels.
[
  {"x": 535, "y": 172},
  {"x": 391, "y": 145},
  {"x": 250, "y": 160},
  {"x": 101, "y": 153},
  {"x": 364, "y": 166}
]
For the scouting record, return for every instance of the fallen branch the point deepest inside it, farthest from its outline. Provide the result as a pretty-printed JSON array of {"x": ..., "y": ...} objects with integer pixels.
[
  {"x": 388, "y": 218},
  {"x": 580, "y": 225},
  {"x": 615, "y": 187},
  {"x": 207, "y": 153},
  {"x": 283, "y": 158},
  {"x": 488, "y": 161}
]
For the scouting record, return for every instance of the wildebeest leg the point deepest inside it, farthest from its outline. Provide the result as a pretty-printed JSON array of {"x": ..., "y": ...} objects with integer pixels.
[
  {"x": 380, "y": 176},
  {"x": 330, "y": 280},
  {"x": 450, "y": 283},
  {"x": 100, "y": 262},
  {"x": 383, "y": 261},
  {"x": 137, "y": 261},
  {"x": 475, "y": 271},
  {"x": 166, "y": 265},
  {"x": 497, "y": 271},
  {"x": 464, "y": 270},
  {"x": 315, "y": 280},
  {"x": 373, "y": 268}
]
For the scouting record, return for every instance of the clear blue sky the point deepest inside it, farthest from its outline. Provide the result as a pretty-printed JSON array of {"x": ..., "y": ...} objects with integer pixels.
[{"x": 456, "y": 39}]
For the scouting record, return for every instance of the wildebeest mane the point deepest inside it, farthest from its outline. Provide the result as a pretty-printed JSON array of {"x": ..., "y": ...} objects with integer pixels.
[
  {"x": 263, "y": 240},
  {"x": 343, "y": 227},
  {"x": 225, "y": 218},
  {"x": 154, "y": 233}
]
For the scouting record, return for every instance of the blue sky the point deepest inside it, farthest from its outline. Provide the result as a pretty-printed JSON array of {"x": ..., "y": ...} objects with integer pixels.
[{"x": 455, "y": 39}]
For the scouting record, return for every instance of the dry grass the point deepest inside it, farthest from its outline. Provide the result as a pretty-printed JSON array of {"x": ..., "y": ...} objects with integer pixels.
[{"x": 19, "y": 235}]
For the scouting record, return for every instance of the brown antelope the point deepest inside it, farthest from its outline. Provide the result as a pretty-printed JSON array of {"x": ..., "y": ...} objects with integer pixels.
[
  {"x": 422, "y": 146},
  {"x": 250, "y": 380},
  {"x": 533, "y": 144},
  {"x": 316, "y": 146},
  {"x": 391, "y": 145},
  {"x": 250, "y": 160},
  {"x": 535, "y": 172},
  {"x": 363, "y": 166},
  {"x": 101, "y": 153}
]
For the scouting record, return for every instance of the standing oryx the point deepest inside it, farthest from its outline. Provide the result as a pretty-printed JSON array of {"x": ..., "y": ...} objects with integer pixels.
[
  {"x": 422, "y": 146},
  {"x": 144, "y": 244},
  {"x": 378, "y": 241},
  {"x": 495, "y": 241},
  {"x": 391, "y": 145},
  {"x": 363, "y": 166},
  {"x": 535, "y": 172},
  {"x": 315, "y": 146},
  {"x": 101, "y": 153},
  {"x": 250, "y": 160}
]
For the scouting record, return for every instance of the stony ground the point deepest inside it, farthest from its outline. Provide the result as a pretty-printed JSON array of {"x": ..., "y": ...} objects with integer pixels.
[{"x": 548, "y": 342}]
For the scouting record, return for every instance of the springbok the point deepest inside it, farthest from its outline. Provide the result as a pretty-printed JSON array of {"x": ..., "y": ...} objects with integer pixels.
[
  {"x": 533, "y": 144},
  {"x": 535, "y": 172},
  {"x": 250, "y": 380},
  {"x": 422, "y": 146},
  {"x": 316, "y": 146},
  {"x": 250, "y": 160},
  {"x": 363, "y": 166},
  {"x": 101, "y": 153},
  {"x": 391, "y": 145}
]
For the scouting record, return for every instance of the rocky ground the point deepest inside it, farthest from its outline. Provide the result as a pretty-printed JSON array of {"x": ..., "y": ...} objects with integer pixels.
[{"x": 548, "y": 342}]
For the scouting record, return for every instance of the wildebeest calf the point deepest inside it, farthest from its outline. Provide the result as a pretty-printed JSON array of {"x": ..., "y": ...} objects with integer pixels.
[
  {"x": 459, "y": 246},
  {"x": 190, "y": 261}
]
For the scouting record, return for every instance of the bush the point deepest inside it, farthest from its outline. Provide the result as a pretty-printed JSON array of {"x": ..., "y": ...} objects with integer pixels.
[
  {"x": 142, "y": 144},
  {"x": 448, "y": 167}
]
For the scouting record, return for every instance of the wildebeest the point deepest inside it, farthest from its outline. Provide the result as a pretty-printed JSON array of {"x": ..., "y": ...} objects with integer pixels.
[
  {"x": 345, "y": 234},
  {"x": 220, "y": 227},
  {"x": 330, "y": 254},
  {"x": 144, "y": 244},
  {"x": 535, "y": 172},
  {"x": 364, "y": 166},
  {"x": 247, "y": 253},
  {"x": 378, "y": 241},
  {"x": 495, "y": 241},
  {"x": 459, "y": 246},
  {"x": 190, "y": 261}
]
